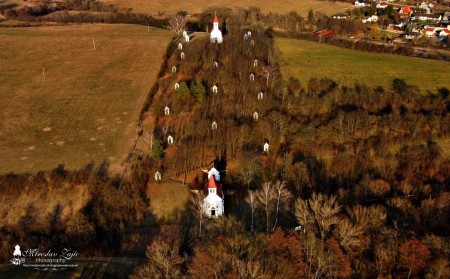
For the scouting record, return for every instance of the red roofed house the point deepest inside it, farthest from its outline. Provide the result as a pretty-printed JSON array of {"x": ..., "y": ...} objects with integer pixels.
[
  {"x": 429, "y": 31},
  {"x": 382, "y": 5},
  {"x": 444, "y": 33},
  {"x": 213, "y": 203},
  {"x": 406, "y": 10},
  {"x": 326, "y": 33}
]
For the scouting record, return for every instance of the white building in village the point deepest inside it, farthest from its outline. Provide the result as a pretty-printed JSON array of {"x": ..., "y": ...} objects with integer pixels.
[
  {"x": 213, "y": 203},
  {"x": 216, "y": 34}
]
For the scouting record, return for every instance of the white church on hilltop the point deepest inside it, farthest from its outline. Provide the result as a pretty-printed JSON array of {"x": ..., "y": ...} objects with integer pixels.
[
  {"x": 216, "y": 34},
  {"x": 213, "y": 203}
]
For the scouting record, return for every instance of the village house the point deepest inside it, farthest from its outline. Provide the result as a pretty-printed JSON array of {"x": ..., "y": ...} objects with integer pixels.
[
  {"x": 360, "y": 3},
  {"x": 426, "y": 7},
  {"x": 373, "y": 18},
  {"x": 406, "y": 10},
  {"x": 446, "y": 17},
  {"x": 429, "y": 31},
  {"x": 410, "y": 35},
  {"x": 326, "y": 33},
  {"x": 340, "y": 16},
  {"x": 382, "y": 5},
  {"x": 444, "y": 33},
  {"x": 426, "y": 17}
]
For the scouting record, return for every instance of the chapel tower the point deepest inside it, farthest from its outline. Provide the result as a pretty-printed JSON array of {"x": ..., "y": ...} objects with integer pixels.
[
  {"x": 213, "y": 203},
  {"x": 216, "y": 34}
]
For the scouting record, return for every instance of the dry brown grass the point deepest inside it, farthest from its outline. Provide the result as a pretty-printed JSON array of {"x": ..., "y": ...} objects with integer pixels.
[
  {"x": 87, "y": 107},
  {"x": 195, "y": 6},
  {"x": 167, "y": 198}
]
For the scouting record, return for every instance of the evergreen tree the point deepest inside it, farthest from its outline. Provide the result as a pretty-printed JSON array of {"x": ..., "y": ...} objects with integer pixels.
[
  {"x": 198, "y": 89},
  {"x": 311, "y": 16},
  {"x": 157, "y": 151},
  {"x": 182, "y": 91}
]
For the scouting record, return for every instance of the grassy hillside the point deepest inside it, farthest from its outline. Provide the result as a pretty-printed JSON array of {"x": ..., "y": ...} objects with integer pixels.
[
  {"x": 305, "y": 60},
  {"x": 87, "y": 106},
  {"x": 191, "y": 6}
]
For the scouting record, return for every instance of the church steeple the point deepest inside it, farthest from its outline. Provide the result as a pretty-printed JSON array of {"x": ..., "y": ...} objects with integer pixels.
[
  {"x": 216, "y": 34},
  {"x": 216, "y": 22}
]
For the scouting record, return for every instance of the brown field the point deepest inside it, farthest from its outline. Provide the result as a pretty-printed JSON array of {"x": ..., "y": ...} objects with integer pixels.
[
  {"x": 168, "y": 199},
  {"x": 281, "y": 6},
  {"x": 87, "y": 107}
]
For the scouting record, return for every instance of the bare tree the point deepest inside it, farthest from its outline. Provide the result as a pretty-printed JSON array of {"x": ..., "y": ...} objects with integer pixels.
[
  {"x": 198, "y": 207},
  {"x": 265, "y": 196},
  {"x": 348, "y": 234},
  {"x": 177, "y": 23},
  {"x": 320, "y": 211},
  {"x": 372, "y": 217},
  {"x": 145, "y": 271},
  {"x": 319, "y": 260},
  {"x": 165, "y": 257},
  {"x": 149, "y": 138},
  {"x": 385, "y": 251},
  {"x": 164, "y": 261},
  {"x": 248, "y": 172},
  {"x": 282, "y": 194},
  {"x": 252, "y": 201},
  {"x": 268, "y": 72}
]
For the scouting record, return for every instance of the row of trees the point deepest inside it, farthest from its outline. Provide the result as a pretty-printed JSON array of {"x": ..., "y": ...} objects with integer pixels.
[
  {"x": 95, "y": 222},
  {"x": 230, "y": 252}
]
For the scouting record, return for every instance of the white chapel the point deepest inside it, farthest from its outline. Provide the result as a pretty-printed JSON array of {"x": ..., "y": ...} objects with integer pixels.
[
  {"x": 213, "y": 203},
  {"x": 216, "y": 34}
]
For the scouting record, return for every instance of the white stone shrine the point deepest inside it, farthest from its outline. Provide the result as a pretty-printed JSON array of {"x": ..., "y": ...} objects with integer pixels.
[
  {"x": 169, "y": 140},
  {"x": 157, "y": 176},
  {"x": 255, "y": 116},
  {"x": 266, "y": 147},
  {"x": 260, "y": 96}
]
